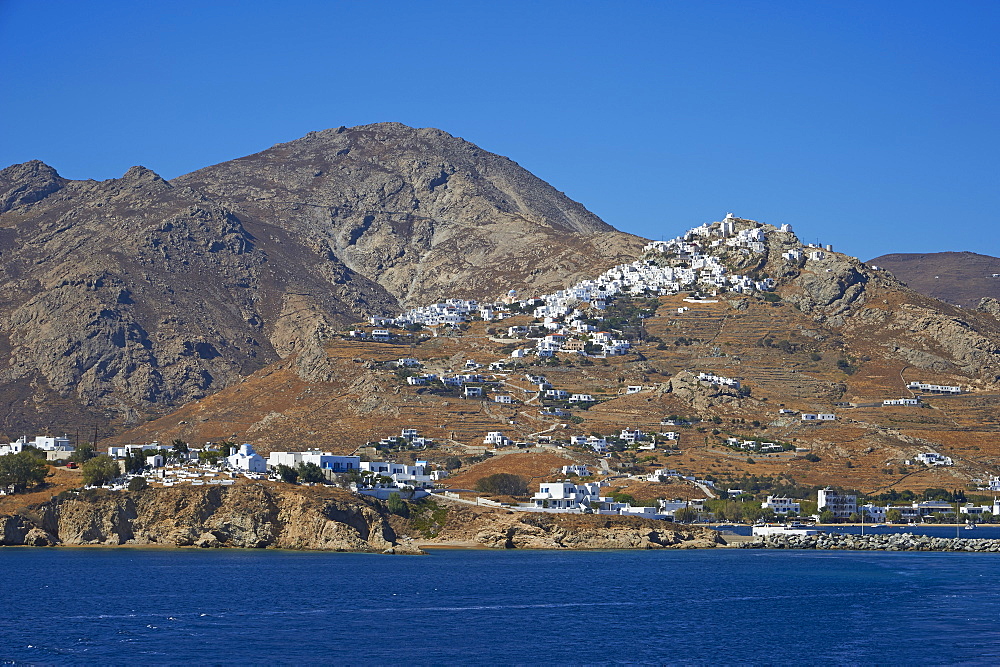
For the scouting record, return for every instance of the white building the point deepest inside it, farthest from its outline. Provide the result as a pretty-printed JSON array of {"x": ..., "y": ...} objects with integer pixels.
[
  {"x": 934, "y": 388},
  {"x": 246, "y": 459},
  {"x": 842, "y": 505},
  {"x": 568, "y": 496},
  {"x": 934, "y": 459},
  {"x": 719, "y": 380},
  {"x": 900, "y": 401},
  {"x": 631, "y": 435},
  {"x": 781, "y": 505},
  {"x": 325, "y": 460},
  {"x": 55, "y": 447},
  {"x": 496, "y": 438}
]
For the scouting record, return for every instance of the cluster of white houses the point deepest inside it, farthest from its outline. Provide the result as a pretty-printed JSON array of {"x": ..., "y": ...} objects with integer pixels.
[
  {"x": 56, "y": 448},
  {"x": 694, "y": 267},
  {"x": 586, "y": 498},
  {"x": 718, "y": 380},
  {"x": 934, "y": 459},
  {"x": 755, "y": 446},
  {"x": 917, "y": 511}
]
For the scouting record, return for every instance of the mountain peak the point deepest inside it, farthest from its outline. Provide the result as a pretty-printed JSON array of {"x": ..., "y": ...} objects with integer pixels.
[{"x": 27, "y": 183}]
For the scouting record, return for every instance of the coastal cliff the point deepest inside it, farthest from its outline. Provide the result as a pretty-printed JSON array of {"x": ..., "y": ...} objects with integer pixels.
[{"x": 258, "y": 515}]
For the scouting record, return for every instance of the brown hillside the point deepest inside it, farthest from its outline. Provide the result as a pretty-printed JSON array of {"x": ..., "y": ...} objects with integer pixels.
[{"x": 961, "y": 278}]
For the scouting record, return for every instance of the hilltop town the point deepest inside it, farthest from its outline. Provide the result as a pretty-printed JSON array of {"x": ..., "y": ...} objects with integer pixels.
[{"x": 730, "y": 373}]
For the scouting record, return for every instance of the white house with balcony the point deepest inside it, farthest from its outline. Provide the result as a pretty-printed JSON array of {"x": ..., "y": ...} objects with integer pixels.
[
  {"x": 569, "y": 496},
  {"x": 781, "y": 505},
  {"x": 842, "y": 505}
]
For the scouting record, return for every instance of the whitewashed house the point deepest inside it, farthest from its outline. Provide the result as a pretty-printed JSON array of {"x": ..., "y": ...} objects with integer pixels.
[
  {"x": 568, "y": 496},
  {"x": 497, "y": 439}
]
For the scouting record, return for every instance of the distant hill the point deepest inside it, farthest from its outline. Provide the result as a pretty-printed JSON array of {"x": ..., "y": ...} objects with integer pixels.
[{"x": 961, "y": 278}]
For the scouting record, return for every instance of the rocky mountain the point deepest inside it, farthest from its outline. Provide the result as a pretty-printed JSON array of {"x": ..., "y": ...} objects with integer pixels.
[
  {"x": 960, "y": 278},
  {"x": 422, "y": 213},
  {"x": 126, "y": 298}
]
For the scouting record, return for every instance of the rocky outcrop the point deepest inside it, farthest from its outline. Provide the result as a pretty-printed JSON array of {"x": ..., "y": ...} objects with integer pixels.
[
  {"x": 545, "y": 531},
  {"x": 701, "y": 395},
  {"x": 990, "y": 306},
  {"x": 244, "y": 516},
  {"x": 828, "y": 288},
  {"x": 529, "y": 530}
]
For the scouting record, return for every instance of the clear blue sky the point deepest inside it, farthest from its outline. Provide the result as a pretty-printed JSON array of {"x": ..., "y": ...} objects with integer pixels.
[{"x": 874, "y": 126}]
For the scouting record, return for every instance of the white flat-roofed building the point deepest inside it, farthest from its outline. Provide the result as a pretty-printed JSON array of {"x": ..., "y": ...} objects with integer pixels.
[
  {"x": 568, "y": 496},
  {"x": 842, "y": 505},
  {"x": 901, "y": 401},
  {"x": 324, "y": 460},
  {"x": 934, "y": 388},
  {"x": 781, "y": 505},
  {"x": 496, "y": 438},
  {"x": 55, "y": 447}
]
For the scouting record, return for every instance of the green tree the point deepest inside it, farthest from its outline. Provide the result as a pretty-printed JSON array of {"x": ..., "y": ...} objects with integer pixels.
[
  {"x": 135, "y": 461},
  {"x": 137, "y": 484},
  {"x": 209, "y": 456},
  {"x": 452, "y": 463},
  {"x": 624, "y": 498},
  {"x": 22, "y": 470},
  {"x": 503, "y": 484},
  {"x": 685, "y": 515},
  {"x": 397, "y": 505},
  {"x": 100, "y": 470},
  {"x": 288, "y": 474},
  {"x": 893, "y": 516},
  {"x": 179, "y": 446},
  {"x": 826, "y": 516},
  {"x": 34, "y": 451},
  {"x": 310, "y": 473},
  {"x": 83, "y": 453}
]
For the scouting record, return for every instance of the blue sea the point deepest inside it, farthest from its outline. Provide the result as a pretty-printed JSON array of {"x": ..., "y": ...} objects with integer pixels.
[{"x": 722, "y": 606}]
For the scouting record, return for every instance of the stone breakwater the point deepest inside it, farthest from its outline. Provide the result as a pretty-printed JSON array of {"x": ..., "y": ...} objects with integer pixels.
[{"x": 894, "y": 542}]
